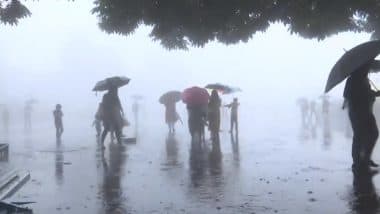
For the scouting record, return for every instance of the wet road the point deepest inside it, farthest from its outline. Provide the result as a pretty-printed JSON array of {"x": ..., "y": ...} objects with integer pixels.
[{"x": 269, "y": 168}]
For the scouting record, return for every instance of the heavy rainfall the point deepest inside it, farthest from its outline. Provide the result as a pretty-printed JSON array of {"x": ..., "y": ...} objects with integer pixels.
[{"x": 194, "y": 106}]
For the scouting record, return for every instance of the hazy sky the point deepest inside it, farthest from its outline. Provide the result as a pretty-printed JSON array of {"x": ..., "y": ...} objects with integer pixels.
[{"x": 59, "y": 53}]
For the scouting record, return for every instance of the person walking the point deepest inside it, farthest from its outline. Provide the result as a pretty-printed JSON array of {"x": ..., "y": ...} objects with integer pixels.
[
  {"x": 112, "y": 115},
  {"x": 171, "y": 116}
]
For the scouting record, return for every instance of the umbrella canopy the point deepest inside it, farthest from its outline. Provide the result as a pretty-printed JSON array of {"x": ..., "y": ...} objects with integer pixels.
[
  {"x": 217, "y": 86},
  {"x": 112, "y": 82},
  {"x": 351, "y": 61},
  {"x": 170, "y": 97},
  {"x": 224, "y": 89},
  {"x": 195, "y": 96},
  {"x": 231, "y": 90}
]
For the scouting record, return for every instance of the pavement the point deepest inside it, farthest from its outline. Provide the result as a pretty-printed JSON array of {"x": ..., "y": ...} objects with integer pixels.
[{"x": 272, "y": 167}]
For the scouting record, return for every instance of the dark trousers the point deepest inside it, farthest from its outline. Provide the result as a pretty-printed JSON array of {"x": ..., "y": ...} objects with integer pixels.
[
  {"x": 107, "y": 129},
  {"x": 365, "y": 134}
]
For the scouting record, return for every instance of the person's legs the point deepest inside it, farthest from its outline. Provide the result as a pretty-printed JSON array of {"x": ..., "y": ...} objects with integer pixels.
[
  {"x": 61, "y": 130},
  {"x": 98, "y": 130},
  {"x": 104, "y": 135},
  {"x": 357, "y": 140},
  {"x": 236, "y": 124},
  {"x": 118, "y": 135},
  {"x": 374, "y": 134},
  {"x": 57, "y": 131},
  {"x": 231, "y": 124}
]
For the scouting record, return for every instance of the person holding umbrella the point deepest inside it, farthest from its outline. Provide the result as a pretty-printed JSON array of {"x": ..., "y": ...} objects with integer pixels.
[
  {"x": 112, "y": 111},
  {"x": 359, "y": 98},
  {"x": 112, "y": 114},
  {"x": 196, "y": 100},
  {"x": 169, "y": 100}
]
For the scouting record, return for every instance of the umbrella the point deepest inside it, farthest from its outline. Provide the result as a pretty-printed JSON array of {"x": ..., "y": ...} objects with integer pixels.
[
  {"x": 170, "y": 97},
  {"x": 112, "y": 82},
  {"x": 351, "y": 61},
  {"x": 195, "y": 96},
  {"x": 231, "y": 90},
  {"x": 217, "y": 86},
  {"x": 224, "y": 89}
]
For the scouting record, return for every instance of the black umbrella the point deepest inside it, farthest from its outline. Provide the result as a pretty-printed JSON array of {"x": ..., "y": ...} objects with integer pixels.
[
  {"x": 112, "y": 82},
  {"x": 170, "y": 97},
  {"x": 224, "y": 89},
  {"x": 217, "y": 86},
  {"x": 351, "y": 61},
  {"x": 231, "y": 90}
]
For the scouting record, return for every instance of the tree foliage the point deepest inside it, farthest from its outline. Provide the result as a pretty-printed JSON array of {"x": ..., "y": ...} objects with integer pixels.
[
  {"x": 11, "y": 11},
  {"x": 180, "y": 23}
]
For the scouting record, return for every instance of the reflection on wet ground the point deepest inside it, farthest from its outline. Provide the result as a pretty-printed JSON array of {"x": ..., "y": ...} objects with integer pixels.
[{"x": 252, "y": 172}]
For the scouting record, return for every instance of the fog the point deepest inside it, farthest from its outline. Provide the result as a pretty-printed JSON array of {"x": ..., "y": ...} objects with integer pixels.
[{"x": 59, "y": 53}]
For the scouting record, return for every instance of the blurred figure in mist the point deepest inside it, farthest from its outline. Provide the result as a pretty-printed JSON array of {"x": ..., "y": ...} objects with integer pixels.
[
  {"x": 313, "y": 115},
  {"x": 171, "y": 116},
  {"x": 98, "y": 121},
  {"x": 58, "y": 114},
  {"x": 325, "y": 105},
  {"x": 326, "y": 121},
  {"x": 112, "y": 115},
  {"x": 28, "y": 108},
  {"x": 135, "y": 111},
  {"x": 234, "y": 115},
  {"x": 214, "y": 114},
  {"x": 304, "y": 107},
  {"x": 6, "y": 116}
]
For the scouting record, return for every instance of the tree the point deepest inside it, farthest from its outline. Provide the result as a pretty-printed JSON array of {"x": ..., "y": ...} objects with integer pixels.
[
  {"x": 180, "y": 23},
  {"x": 11, "y": 11}
]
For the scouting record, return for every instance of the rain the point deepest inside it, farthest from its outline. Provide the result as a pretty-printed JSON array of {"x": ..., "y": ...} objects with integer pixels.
[{"x": 291, "y": 152}]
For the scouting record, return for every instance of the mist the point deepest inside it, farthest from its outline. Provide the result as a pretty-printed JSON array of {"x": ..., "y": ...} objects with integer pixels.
[
  {"x": 57, "y": 58},
  {"x": 57, "y": 55}
]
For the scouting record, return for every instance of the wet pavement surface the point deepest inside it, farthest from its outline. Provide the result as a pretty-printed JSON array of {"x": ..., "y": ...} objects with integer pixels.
[{"x": 268, "y": 168}]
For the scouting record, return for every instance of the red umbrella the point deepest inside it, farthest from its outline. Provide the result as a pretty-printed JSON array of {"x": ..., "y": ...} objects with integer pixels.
[{"x": 195, "y": 96}]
